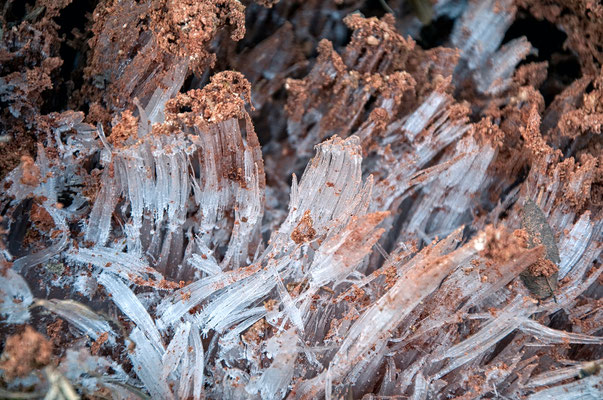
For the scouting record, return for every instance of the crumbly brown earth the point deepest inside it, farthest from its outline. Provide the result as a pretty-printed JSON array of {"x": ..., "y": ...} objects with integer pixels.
[
  {"x": 312, "y": 74},
  {"x": 24, "y": 353},
  {"x": 220, "y": 100},
  {"x": 125, "y": 129},
  {"x": 304, "y": 232},
  {"x": 543, "y": 267}
]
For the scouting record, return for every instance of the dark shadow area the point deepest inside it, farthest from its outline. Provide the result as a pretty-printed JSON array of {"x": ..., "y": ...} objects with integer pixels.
[
  {"x": 73, "y": 21},
  {"x": 564, "y": 66},
  {"x": 436, "y": 33},
  {"x": 15, "y": 11},
  {"x": 374, "y": 8}
]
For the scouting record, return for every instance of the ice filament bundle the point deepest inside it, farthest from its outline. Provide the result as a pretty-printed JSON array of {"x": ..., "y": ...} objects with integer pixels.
[{"x": 173, "y": 256}]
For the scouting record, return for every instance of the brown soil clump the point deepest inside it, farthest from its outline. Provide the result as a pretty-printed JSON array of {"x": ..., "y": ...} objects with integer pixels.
[
  {"x": 544, "y": 268},
  {"x": 186, "y": 27},
  {"x": 24, "y": 353},
  {"x": 96, "y": 346},
  {"x": 40, "y": 217},
  {"x": 126, "y": 128},
  {"x": 222, "y": 99},
  {"x": 501, "y": 245},
  {"x": 304, "y": 232},
  {"x": 31, "y": 172}
]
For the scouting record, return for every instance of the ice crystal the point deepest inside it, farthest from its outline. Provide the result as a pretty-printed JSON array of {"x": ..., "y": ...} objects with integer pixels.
[{"x": 370, "y": 247}]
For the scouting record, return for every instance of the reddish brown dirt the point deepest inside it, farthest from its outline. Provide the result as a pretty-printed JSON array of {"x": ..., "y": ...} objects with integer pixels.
[
  {"x": 304, "y": 232},
  {"x": 125, "y": 129},
  {"x": 341, "y": 84},
  {"x": 544, "y": 268},
  {"x": 24, "y": 353},
  {"x": 222, "y": 99},
  {"x": 581, "y": 19},
  {"x": 501, "y": 245}
]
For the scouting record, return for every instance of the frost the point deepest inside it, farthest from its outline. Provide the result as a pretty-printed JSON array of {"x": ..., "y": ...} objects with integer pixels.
[
  {"x": 587, "y": 389},
  {"x": 176, "y": 351},
  {"x": 452, "y": 188},
  {"x": 80, "y": 316},
  {"x": 15, "y": 298},
  {"x": 274, "y": 381},
  {"x": 562, "y": 374},
  {"x": 550, "y": 336},
  {"x": 198, "y": 365},
  {"x": 146, "y": 360},
  {"x": 129, "y": 304},
  {"x": 486, "y": 23},
  {"x": 92, "y": 371},
  {"x": 573, "y": 245},
  {"x": 495, "y": 76},
  {"x": 406, "y": 171},
  {"x": 122, "y": 264},
  {"x": 371, "y": 247},
  {"x": 207, "y": 265}
]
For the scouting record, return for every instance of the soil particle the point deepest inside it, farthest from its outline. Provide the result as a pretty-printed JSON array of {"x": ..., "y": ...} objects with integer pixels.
[
  {"x": 544, "y": 268},
  {"x": 31, "y": 172},
  {"x": 125, "y": 129},
  {"x": 222, "y": 99},
  {"x": 589, "y": 117},
  {"x": 186, "y": 27},
  {"x": 487, "y": 132},
  {"x": 372, "y": 37},
  {"x": 24, "y": 353},
  {"x": 533, "y": 139},
  {"x": 256, "y": 332},
  {"x": 501, "y": 245},
  {"x": 532, "y": 74},
  {"x": 99, "y": 342},
  {"x": 40, "y": 217},
  {"x": 304, "y": 232},
  {"x": 53, "y": 331}
]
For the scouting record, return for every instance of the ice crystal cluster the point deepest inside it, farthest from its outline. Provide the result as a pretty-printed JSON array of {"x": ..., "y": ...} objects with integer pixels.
[{"x": 294, "y": 200}]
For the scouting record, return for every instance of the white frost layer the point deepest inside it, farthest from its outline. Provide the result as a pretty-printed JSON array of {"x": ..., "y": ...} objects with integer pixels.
[
  {"x": 80, "y": 316},
  {"x": 129, "y": 304},
  {"x": 589, "y": 388},
  {"x": 481, "y": 29},
  {"x": 148, "y": 366},
  {"x": 15, "y": 298},
  {"x": 123, "y": 264}
]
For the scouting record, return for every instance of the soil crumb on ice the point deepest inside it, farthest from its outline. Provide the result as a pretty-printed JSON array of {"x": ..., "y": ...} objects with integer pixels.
[{"x": 24, "y": 353}]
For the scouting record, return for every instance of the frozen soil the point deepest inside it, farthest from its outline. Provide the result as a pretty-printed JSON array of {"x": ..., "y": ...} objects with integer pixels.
[{"x": 301, "y": 199}]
